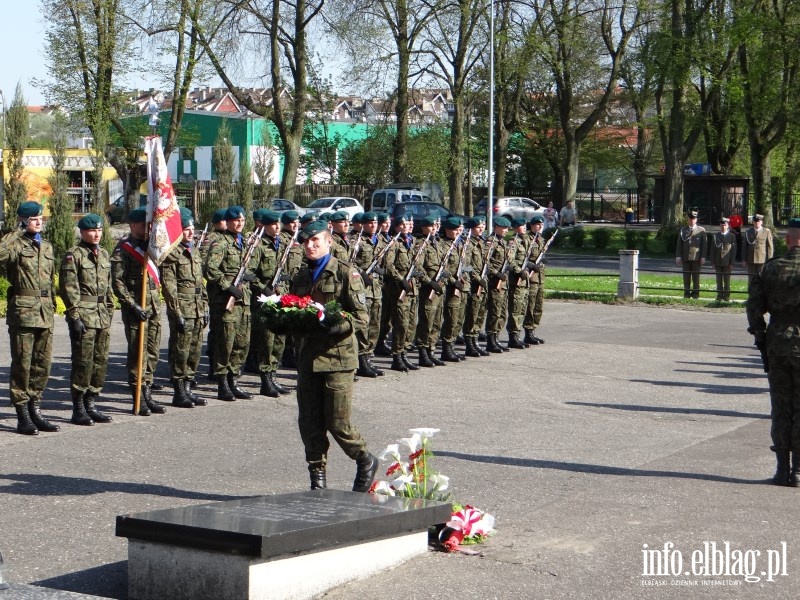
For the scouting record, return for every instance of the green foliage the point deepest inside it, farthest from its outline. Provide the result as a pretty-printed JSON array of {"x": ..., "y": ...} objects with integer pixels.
[
  {"x": 601, "y": 236},
  {"x": 244, "y": 191},
  {"x": 368, "y": 161},
  {"x": 630, "y": 239},
  {"x": 17, "y": 138},
  {"x": 577, "y": 237},
  {"x": 60, "y": 226},
  {"x": 223, "y": 161}
]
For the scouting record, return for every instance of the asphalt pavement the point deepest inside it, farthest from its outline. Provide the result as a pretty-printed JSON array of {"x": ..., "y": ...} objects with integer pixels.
[{"x": 634, "y": 435}]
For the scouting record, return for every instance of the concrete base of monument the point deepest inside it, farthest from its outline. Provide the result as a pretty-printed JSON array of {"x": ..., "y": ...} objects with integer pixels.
[{"x": 286, "y": 546}]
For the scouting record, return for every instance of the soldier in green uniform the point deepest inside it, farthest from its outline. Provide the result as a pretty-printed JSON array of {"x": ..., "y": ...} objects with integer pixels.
[
  {"x": 385, "y": 233},
  {"x": 776, "y": 290},
  {"x": 29, "y": 264},
  {"x": 325, "y": 362},
  {"x": 341, "y": 231},
  {"x": 85, "y": 287},
  {"x": 231, "y": 327},
  {"x": 219, "y": 227},
  {"x": 722, "y": 257},
  {"x": 535, "y": 308},
  {"x": 475, "y": 306},
  {"x": 518, "y": 284},
  {"x": 290, "y": 223},
  {"x": 690, "y": 253},
  {"x": 454, "y": 288},
  {"x": 499, "y": 267},
  {"x": 398, "y": 265},
  {"x": 367, "y": 249},
  {"x": 187, "y": 313},
  {"x": 758, "y": 246},
  {"x": 429, "y": 298}
]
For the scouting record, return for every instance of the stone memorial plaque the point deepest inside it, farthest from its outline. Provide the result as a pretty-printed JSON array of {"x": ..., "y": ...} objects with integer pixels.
[{"x": 270, "y": 526}]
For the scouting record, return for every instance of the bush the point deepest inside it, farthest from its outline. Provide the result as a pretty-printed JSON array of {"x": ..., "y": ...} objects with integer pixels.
[
  {"x": 601, "y": 236},
  {"x": 577, "y": 237},
  {"x": 643, "y": 240},
  {"x": 4, "y": 285},
  {"x": 670, "y": 238},
  {"x": 630, "y": 239}
]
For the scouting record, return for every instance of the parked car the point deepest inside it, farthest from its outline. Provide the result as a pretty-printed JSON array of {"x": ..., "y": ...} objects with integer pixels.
[
  {"x": 422, "y": 209},
  {"x": 281, "y": 205},
  {"x": 115, "y": 210},
  {"x": 511, "y": 207},
  {"x": 335, "y": 203},
  {"x": 384, "y": 199}
]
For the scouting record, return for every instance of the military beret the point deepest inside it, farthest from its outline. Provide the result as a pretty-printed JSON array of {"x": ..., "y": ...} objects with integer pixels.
[
  {"x": 339, "y": 215},
  {"x": 758, "y": 217},
  {"x": 794, "y": 223},
  {"x": 502, "y": 222},
  {"x": 518, "y": 222},
  {"x": 369, "y": 216},
  {"x": 470, "y": 223},
  {"x": 724, "y": 220},
  {"x": 326, "y": 216},
  {"x": 289, "y": 216},
  {"x": 479, "y": 219},
  {"x": 187, "y": 220},
  {"x": 307, "y": 218},
  {"x": 138, "y": 215},
  {"x": 383, "y": 217},
  {"x": 27, "y": 210},
  {"x": 358, "y": 217},
  {"x": 257, "y": 214},
  {"x": 535, "y": 220},
  {"x": 268, "y": 217},
  {"x": 218, "y": 216},
  {"x": 90, "y": 221},
  {"x": 400, "y": 219},
  {"x": 234, "y": 212},
  {"x": 311, "y": 229},
  {"x": 428, "y": 221},
  {"x": 452, "y": 223},
  {"x": 692, "y": 214}
]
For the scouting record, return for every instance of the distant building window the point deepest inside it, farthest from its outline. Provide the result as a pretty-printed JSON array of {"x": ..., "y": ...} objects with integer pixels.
[{"x": 187, "y": 153}]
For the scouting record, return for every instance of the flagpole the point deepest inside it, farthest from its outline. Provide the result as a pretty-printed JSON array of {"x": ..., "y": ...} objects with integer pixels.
[{"x": 142, "y": 324}]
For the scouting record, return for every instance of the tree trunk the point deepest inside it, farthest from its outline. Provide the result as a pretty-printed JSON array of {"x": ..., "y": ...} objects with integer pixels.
[
  {"x": 400, "y": 158},
  {"x": 760, "y": 172},
  {"x": 291, "y": 163},
  {"x": 572, "y": 152},
  {"x": 673, "y": 191},
  {"x": 455, "y": 167}
]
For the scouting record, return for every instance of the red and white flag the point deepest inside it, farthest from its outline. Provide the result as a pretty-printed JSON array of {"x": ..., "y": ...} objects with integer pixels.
[{"x": 163, "y": 212}]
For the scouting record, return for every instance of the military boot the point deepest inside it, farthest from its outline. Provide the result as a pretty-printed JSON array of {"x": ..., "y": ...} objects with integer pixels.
[
  {"x": 144, "y": 410},
  {"x": 481, "y": 350},
  {"x": 79, "y": 415},
  {"x": 448, "y": 354},
  {"x": 381, "y": 349},
  {"x": 374, "y": 368},
  {"x": 513, "y": 341},
  {"x": 492, "y": 345},
  {"x": 364, "y": 369},
  {"x": 795, "y": 469},
  {"x": 154, "y": 406},
  {"x": 91, "y": 409},
  {"x": 472, "y": 351},
  {"x": 433, "y": 359},
  {"x": 398, "y": 364},
  {"x": 538, "y": 339},
  {"x": 424, "y": 361},
  {"x": 236, "y": 390},
  {"x": 223, "y": 391},
  {"x": 782, "y": 476},
  {"x": 282, "y": 389},
  {"x": 318, "y": 477},
  {"x": 42, "y": 424},
  {"x": 180, "y": 399},
  {"x": 267, "y": 387},
  {"x": 409, "y": 365},
  {"x": 198, "y": 401},
  {"x": 366, "y": 466},
  {"x": 530, "y": 339},
  {"x": 24, "y": 424}
]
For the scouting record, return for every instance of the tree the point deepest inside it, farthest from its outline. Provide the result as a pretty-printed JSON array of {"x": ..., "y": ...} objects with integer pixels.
[
  {"x": 60, "y": 227},
  {"x": 223, "y": 160},
  {"x": 368, "y": 161},
  {"x": 16, "y": 141},
  {"x": 245, "y": 189},
  {"x": 263, "y": 165},
  {"x": 319, "y": 139}
]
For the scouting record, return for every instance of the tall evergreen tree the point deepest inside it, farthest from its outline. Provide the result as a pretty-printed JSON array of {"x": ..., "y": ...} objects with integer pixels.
[
  {"x": 60, "y": 227},
  {"x": 17, "y": 138}
]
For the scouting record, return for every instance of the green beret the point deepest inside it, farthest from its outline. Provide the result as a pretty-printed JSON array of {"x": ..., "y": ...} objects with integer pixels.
[
  {"x": 311, "y": 229},
  {"x": 400, "y": 219},
  {"x": 502, "y": 222},
  {"x": 794, "y": 223},
  {"x": 479, "y": 219},
  {"x": 326, "y": 216},
  {"x": 27, "y": 210},
  {"x": 383, "y": 217},
  {"x": 452, "y": 223},
  {"x": 307, "y": 218},
  {"x": 289, "y": 216},
  {"x": 369, "y": 216},
  {"x": 138, "y": 215},
  {"x": 535, "y": 220},
  {"x": 218, "y": 216},
  {"x": 234, "y": 212},
  {"x": 518, "y": 222},
  {"x": 339, "y": 215},
  {"x": 90, "y": 221},
  {"x": 428, "y": 221},
  {"x": 470, "y": 223},
  {"x": 358, "y": 218},
  {"x": 187, "y": 220},
  {"x": 257, "y": 214}
]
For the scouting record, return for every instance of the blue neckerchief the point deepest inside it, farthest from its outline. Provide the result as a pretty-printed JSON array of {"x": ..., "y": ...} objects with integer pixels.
[
  {"x": 408, "y": 241},
  {"x": 239, "y": 241},
  {"x": 187, "y": 245},
  {"x": 374, "y": 239},
  {"x": 316, "y": 266},
  {"x": 386, "y": 236},
  {"x": 277, "y": 243},
  {"x": 36, "y": 238}
]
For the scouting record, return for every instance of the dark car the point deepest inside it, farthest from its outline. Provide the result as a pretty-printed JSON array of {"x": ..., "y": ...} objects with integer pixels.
[
  {"x": 115, "y": 210},
  {"x": 418, "y": 210}
]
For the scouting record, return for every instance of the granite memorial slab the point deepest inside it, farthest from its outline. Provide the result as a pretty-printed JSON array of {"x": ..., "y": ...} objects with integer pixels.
[{"x": 284, "y": 546}]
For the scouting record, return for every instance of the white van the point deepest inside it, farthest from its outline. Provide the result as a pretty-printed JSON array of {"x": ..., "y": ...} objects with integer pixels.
[{"x": 382, "y": 200}]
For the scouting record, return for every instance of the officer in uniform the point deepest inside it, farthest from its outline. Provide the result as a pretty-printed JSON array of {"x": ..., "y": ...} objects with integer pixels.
[
  {"x": 690, "y": 253},
  {"x": 776, "y": 290},
  {"x": 30, "y": 268},
  {"x": 455, "y": 288},
  {"x": 475, "y": 309},
  {"x": 231, "y": 327},
  {"x": 187, "y": 313},
  {"x": 368, "y": 249},
  {"x": 722, "y": 257},
  {"x": 430, "y": 298},
  {"x": 535, "y": 308},
  {"x": 85, "y": 287},
  {"x": 219, "y": 227},
  {"x": 497, "y": 302},
  {"x": 325, "y": 362},
  {"x": 758, "y": 246},
  {"x": 398, "y": 264},
  {"x": 126, "y": 281},
  {"x": 518, "y": 284},
  {"x": 341, "y": 230}
]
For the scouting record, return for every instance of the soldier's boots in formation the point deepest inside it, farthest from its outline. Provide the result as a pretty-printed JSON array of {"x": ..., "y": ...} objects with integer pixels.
[
  {"x": 365, "y": 369},
  {"x": 472, "y": 348},
  {"x": 224, "y": 392},
  {"x": 409, "y": 365},
  {"x": 795, "y": 469},
  {"x": 424, "y": 360},
  {"x": 189, "y": 386},
  {"x": 514, "y": 341},
  {"x": 531, "y": 339},
  {"x": 374, "y": 368},
  {"x": 237, "y": 392},
  {"x": 433, "y": 359},
  {"x": 154, "y": 406},
  {"x": 318, "y": 477},
  {"x": 492, "y": 345},
  {"x": 180, "y": 398},
  {"x": 37, "y": 418},
  {"x": 91, "y": 410},
  {"x": 783, "y": 473},
  {"x": 381, "y": 348},
  {"x": 398, "y": 364},
  {"x": 366, "y": 466},
  {"x": 24, "y": 424},
  {"x": 268, "y": 387},
  {"x": 449, "y": 353},
  {"x": 79, "y": 414}
]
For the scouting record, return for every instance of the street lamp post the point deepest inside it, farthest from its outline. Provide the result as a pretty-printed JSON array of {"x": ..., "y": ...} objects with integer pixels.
[{"x": 490, "y": 179}]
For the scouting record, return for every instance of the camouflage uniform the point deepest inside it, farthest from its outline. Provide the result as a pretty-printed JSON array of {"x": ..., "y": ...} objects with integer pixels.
[
  {"x": 429, "y": 302},
  {"x": 403, "y": 319},
  {"x": 455, "y": 294},
  {"x": 535, "y": 306},
  {"x": 518, "y": 289},
  {"x": 497, "y": 302},
  {"x": 475, "y": 310},
  {"x": 368, "y": 249}
]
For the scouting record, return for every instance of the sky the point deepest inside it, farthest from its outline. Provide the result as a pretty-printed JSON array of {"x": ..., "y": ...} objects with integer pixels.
[{"x": 21, "y": 38}]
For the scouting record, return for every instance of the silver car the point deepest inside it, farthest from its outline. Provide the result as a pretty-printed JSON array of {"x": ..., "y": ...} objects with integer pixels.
[{"x": 511, "y": 207}]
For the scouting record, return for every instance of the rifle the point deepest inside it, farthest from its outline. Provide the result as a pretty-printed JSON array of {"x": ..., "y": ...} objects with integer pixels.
[
  {"x": 546, "y": 246},
  {"x": 506, "y": 262},
  {"x": 528, "y": 257},
  {"x": 487, "y": 258},
  {"x": 414, "y": 262},
  {"x": 354, "y": 251},
  {"x": 381, "y": 254},
  {"x": 201, "y": 240},
  {"x": 441, "y": 269},
  {"x": 462, "y": 268},
  {"x": 252, "y": 242},
  {"x": 276, "y": 279}
]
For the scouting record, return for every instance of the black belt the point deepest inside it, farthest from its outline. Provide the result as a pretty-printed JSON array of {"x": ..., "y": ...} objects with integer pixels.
[
  {"x": 137, "y": 283},
  {"x": 37, "y": 293},
  {"x": 190, "y": 290},
  {"x": 98, "y": 299}
]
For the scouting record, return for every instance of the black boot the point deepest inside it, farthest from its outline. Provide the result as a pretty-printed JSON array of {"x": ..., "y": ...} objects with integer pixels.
[
  {"x": 24, "y": 424},
  {"x": 366, "y": 467},
  {"x": 364, "y": 370},
  {"x": 472, "y": 351},
  {"x": 282, "y": 389},
  {"x": 398, "y": 364},
  {"x": 79, "y": 415},
  {"x": 795, "y": 469},
  {"x": 538, "y": 339},
  {"x": 91, "y": 409},
  {"x": 513, "y": 341},
  {"x": 318, "y": 479},
  {"x": 188, "y": 385},
  {"x": 267, "y": 387},
  {"x": 154, "y": 406},
  {"x": 180, "y": 399},
  {"x": 433, "y": 359},
  {"x": 481, "y": 350},
  {"x": 42, "y": 424},
  {"x": 223, "y": 391},
  {"x": 409, "y": 365},
  {"x": 236, "y": 390},
  {"x": 492, "y": 345},
  {"x": 374, "y": 368},
  {"x": 460, "y": 339},
  {"x": 781, "y": 476},
  {"x": 381, "y": 349},
  {"x": 448, "y": 355},
  {"x": 144, "y": 410},
  {"x": 530, "y": 339}
]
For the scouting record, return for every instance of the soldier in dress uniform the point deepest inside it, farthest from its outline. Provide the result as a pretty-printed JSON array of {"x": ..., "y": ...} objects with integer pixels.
[
  {"x": 475, "y": 309},
  {"x": 535, "y": 308},
  {"x": 30, "y": 268},
  {"x": 398, "y": 265},
  {"x": 340, "y": 222},
  {"x": 497, "y": 302},
  {"x": 429, "y": 298},
  {"x": 384, "y": 236},
  {"x": 758, "y": 246},
  {"x": 722, "y": 257},
  {"x": 368, "y": 249},
  {"x": 357, "y": 224},
  {"x": 187, "y": 313},
  {"x": 518, "y": 284},
  {"x": 690, "y": 253},
  {"x": 325, "y": 362},
  {"x": 455, "y": 289},
  {"x": 126, "y": 279},
  {"x": 290, "y": 223},
  {"x": 218, "y": 230},
  {"x": 776, "y": 290},
  {"x": 85, "y": 287}
]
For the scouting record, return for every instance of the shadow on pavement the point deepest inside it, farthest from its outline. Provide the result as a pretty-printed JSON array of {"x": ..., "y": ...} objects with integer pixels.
[
  {"x": 706, "y": 389},
  {"x": 107, "y": 581},
  {"x": 678, "y": 410}
]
